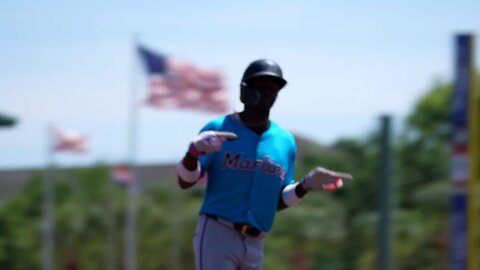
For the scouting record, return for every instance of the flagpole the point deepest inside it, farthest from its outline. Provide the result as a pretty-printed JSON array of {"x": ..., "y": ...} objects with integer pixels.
[
  {"x": 176, "y": 199},
  {"x": 131, "y": 215},
  {"x": 111, "y": 226},
  {"x": 48, "y": 233}
]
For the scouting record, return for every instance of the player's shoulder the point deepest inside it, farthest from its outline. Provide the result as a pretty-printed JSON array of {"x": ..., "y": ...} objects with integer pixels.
[
  {"x": 216, "y": 123},
  {"x": 282, "y": 133}
]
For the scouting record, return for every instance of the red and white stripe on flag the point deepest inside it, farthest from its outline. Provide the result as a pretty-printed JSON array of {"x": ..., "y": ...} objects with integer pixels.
[
  {"x": 68, "y": 141},
  {"x": 184, "y": 86},
  {"x": 122, "y": 175}
]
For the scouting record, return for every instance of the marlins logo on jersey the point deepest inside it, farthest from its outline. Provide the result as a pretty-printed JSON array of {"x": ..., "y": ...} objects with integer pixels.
[{"x": 235, "y": 161}]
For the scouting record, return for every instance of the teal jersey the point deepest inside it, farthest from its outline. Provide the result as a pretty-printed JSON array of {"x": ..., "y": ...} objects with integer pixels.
[{"x": 246, "y": 177}]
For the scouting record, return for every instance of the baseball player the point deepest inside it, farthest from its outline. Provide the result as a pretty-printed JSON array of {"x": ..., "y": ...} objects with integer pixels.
[{"x": 249, "y": 162}]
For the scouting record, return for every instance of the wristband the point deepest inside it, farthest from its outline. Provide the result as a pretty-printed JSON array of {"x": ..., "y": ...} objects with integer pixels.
[
  {"x": 193, "y": 151},
  {"x": 289, "y": 196},
  {"x": 186, "y": 175},
  {"x": 300, "y": 190}
]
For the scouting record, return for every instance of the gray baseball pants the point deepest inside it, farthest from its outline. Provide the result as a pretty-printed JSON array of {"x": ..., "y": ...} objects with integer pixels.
[{"x": 218, "y": 246}]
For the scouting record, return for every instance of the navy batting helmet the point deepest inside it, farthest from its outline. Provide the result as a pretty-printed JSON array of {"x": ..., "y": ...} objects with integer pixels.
[{"x": 259, "y": 68}]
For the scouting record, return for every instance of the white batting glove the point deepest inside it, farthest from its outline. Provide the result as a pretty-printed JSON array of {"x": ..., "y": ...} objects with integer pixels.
[
  {"x": 324, "y": 179},
  {"x": 209, "y": 142}
]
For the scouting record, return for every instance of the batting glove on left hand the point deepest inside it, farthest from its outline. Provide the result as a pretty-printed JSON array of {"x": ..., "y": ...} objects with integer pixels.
[
  {"x": 209, "y": 141},
  {"x": 324, "y": 179}
]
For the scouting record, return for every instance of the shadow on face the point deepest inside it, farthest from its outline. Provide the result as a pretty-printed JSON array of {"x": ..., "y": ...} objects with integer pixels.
[{"x": 268, "y": 87}]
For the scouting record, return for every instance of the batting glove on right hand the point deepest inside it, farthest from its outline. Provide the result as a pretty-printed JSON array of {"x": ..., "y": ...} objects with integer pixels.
[
  {"x": 324, "y": 179},
  {"x": 209, "y": 142}
]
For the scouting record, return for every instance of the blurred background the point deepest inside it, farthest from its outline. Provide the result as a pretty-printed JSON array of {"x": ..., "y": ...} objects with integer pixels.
[{"x": 107, "y": 199}]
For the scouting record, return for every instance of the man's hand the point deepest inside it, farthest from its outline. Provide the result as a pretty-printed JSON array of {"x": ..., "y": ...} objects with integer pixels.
[
  {"x": 209, "y": 142},
  {"x": 324, "y": 179}
]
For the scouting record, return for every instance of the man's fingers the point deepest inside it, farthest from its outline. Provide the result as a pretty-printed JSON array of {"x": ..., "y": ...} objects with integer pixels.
[
  {"x": 342, "y": 175},
  {"x": 339, "y": 183},
  {"x": 329, "y": 187},
  {"x": 346, "y": 176},
  {"x": 333, "y": 186},
  {"x": 226, "y": 135}
]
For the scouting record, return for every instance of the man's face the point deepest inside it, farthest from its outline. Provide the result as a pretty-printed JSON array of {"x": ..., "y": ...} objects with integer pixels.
[{"x": 268, "y": 88}]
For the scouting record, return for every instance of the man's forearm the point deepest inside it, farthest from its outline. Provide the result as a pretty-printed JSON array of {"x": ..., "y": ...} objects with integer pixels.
[{"x": 190, "y": 163}]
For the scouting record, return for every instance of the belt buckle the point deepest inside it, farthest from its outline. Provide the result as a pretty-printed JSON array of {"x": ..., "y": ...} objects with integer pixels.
[{"x": 244, "y": 229}]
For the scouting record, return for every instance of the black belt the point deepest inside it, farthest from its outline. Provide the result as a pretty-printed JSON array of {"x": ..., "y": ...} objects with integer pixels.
[{"x": 246, "y": 230}]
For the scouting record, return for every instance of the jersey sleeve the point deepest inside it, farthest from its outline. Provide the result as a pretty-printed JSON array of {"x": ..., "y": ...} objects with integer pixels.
[{"x": 290, "y": 173}]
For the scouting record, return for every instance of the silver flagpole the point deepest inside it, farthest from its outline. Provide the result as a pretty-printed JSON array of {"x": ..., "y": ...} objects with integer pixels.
[
  {"x": 48, "y": 233},
  {"x": 131, "y": 215}
]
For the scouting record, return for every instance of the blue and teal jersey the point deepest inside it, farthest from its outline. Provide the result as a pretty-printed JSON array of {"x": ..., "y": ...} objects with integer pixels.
[{"x": 246, "y": 177}]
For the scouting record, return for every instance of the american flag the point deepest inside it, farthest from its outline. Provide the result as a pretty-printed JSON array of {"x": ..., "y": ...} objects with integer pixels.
[
  {"x": 175, "y": 84},
  {"x": 65, "y": 140}
]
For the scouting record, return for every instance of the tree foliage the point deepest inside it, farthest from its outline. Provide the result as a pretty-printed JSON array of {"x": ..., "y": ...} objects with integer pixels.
[{"x": 326, "y": 231}]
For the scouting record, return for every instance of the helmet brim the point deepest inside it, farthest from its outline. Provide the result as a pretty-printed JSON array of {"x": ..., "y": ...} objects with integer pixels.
[{"x": 281, "y": 82}]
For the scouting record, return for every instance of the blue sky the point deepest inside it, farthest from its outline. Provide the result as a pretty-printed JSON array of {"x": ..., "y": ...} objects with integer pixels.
[{"x": 71, "y": 64}]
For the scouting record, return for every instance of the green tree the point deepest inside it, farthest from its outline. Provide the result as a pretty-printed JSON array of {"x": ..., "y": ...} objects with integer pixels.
[
  {"x": 421, "y": 222},
  {"x": 334, "y": 231},
  {"x": 423, "y": 150}
]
